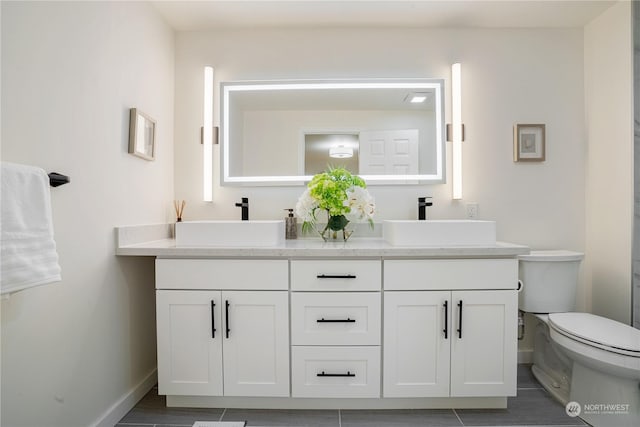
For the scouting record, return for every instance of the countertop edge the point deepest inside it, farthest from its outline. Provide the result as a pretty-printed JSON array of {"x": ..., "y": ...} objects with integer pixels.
[{"x": 312, "y": 248}]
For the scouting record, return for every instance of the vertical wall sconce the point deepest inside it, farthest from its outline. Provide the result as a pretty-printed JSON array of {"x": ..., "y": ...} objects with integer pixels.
[
  {"x": 457, "y": 130},
  {"x": 207, "y": 136}
]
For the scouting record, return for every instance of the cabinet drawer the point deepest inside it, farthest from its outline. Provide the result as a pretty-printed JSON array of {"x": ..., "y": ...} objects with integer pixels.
[
  {"x": 336, "y": 275},
  {"x": 451, "y": 274},
  {"x": 222, "y": 274},
  {"x": 335, "y": 371},
  {"x": 335, "y": 318}
]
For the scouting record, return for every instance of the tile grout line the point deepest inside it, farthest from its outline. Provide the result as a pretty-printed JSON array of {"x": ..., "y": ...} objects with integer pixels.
[
  {"x": 457, "y": 416},
  {"x": 136, "y": 424}
]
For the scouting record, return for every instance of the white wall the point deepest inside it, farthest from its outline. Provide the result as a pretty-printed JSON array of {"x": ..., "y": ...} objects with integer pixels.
[
  {"x": 508, "y": 76},
  {"x": 70, "y": 73},
  {"x": 609, "y": 198}
]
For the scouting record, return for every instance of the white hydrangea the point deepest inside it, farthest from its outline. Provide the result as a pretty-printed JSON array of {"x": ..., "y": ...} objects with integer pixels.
[
  {"x": 361, "y": 203},
  {"x": 306, "y": 206}
]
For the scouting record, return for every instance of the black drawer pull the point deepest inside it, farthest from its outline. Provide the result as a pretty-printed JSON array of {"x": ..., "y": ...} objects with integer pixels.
[
  {"x": 213, "y": 320},
  {"x": 348, "y": 374},
  {"x": 446, "y": 320},
  {"x": 460, "y": 320},
  {"x": 226, "y": 317},
  {"x": 347, "y": 320},
  {"x": 336, "y": 276}
]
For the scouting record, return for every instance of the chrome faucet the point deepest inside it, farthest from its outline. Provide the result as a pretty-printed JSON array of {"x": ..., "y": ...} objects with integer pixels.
[
  {"x": 423, "y": 202},
  {"x": 245, "y": 208}
]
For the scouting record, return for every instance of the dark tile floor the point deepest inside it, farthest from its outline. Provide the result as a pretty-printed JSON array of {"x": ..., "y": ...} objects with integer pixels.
[{"x": 532, "y": 407}]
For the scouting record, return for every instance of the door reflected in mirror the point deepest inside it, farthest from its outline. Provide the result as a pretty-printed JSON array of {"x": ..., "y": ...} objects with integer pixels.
[{"x": 281, "y": 133}]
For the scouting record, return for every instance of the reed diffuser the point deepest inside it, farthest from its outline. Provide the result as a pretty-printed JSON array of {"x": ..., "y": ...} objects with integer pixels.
[{"x": 178, "y": 205}]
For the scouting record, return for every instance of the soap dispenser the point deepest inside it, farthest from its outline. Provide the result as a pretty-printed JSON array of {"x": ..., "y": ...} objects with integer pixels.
[{"x": 291, "y": 225}]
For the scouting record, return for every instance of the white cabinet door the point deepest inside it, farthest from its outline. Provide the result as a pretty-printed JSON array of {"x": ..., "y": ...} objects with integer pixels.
[
  {"x": 256, "y": 344},
  {"x": 484, "y": 347},
  {"x": 193, "y": 341},
  {"x": 416, "y": 350},
  {"x": 189, "y": 350}
]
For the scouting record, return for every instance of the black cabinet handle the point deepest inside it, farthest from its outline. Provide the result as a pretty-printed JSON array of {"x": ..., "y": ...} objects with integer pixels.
[
  {"x": 446, "y": 320},
  {"x": 213, "y": 320},
  {"x": 336, "y": 276},
  {"x": 347, "y": 320},
  {"x": 226, "y": 316},
  {"x": 460, "y": 320},
  {"x": 348, "y": 374}
]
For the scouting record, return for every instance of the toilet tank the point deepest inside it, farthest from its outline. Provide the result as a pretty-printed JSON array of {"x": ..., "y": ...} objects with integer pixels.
[{"x": 549, "y": 281}]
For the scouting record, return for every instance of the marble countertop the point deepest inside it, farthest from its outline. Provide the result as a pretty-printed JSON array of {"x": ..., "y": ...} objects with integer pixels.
[{"x": 155, "y": 240}]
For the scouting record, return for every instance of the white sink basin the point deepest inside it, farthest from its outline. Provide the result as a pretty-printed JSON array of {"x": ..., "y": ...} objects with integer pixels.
[
  {"x": 439, "y": 233},
  {"x": 230, "y": 233}
]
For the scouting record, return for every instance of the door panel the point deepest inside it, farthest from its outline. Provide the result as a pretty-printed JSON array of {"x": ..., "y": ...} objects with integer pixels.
[
  {"x": 256, "y": 351},
  {"x": 416, "y": 352},
  {"x": 189, "y": 352},
  {"x": 484, "y": 358}
]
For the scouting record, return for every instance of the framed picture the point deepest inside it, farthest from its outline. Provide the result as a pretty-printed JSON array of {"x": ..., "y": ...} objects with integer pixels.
[
  {"x": 528, "y": 143},
  {"x": 142, "y": 135}
]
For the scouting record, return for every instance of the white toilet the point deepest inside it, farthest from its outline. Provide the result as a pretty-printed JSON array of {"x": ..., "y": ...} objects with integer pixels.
[{"x": 579, "y": 357}]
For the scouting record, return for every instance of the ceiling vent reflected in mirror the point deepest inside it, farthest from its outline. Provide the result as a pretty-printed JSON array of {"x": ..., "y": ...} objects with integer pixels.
[{"x": 417, "y": 97}]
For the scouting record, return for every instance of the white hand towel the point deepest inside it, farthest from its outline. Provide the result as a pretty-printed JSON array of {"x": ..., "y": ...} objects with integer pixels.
[{"x": 27, "y": 248}]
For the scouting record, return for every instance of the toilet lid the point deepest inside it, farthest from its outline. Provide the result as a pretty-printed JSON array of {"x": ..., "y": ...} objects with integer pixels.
[
  {"x": 552, "y": 256},
  {"x": 598, "y": 330}
]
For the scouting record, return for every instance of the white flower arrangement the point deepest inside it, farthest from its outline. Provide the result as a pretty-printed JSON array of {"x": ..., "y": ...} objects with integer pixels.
[
  {"x": 306, "y": 207},
  {"x": 362, "y": 206}
]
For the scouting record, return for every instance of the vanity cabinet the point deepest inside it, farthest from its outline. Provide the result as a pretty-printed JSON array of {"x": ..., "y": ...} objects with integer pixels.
[
  {"x": 440, "y": 342},
  {"x": 315, "y": 325},
  {"x": 222, "y": 342}
]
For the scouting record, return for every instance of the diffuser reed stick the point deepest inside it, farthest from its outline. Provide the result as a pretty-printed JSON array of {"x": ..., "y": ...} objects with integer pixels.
[{"x": 178, "y": 205}]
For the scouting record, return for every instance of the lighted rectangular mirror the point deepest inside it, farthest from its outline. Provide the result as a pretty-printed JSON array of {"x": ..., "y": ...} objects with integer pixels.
[{"x": 283, "y": 132}]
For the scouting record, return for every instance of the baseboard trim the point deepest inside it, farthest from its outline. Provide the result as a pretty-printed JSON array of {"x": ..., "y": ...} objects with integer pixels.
[
  {"x": 335, "y": 403},
  {"x": 525, "y": 356},
  {"x": 127, "y": 401}
]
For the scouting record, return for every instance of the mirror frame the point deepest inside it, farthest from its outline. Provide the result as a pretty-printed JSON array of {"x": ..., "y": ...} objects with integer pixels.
[
  {"x": 142, "y": 135},
  {"x": 228, "y": 88}
]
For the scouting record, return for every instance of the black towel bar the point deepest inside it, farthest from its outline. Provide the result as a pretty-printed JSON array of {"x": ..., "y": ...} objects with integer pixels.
[{"x": 56, "y": 179}]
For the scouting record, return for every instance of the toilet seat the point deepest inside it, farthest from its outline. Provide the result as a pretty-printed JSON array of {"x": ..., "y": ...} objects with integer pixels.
[{"x": 598, "y": 331}]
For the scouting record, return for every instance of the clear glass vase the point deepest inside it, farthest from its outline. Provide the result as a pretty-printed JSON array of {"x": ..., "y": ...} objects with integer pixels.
[{"x": 335, "y": 224}]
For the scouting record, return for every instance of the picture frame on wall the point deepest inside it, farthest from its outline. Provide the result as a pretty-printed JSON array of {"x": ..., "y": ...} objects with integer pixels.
[
  {"x": 529, "y": 143},
  {"x": 142, "y": 134}
]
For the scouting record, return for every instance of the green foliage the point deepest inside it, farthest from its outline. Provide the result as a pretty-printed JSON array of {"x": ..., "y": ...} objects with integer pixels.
[{"x": 330, "y": 189}]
